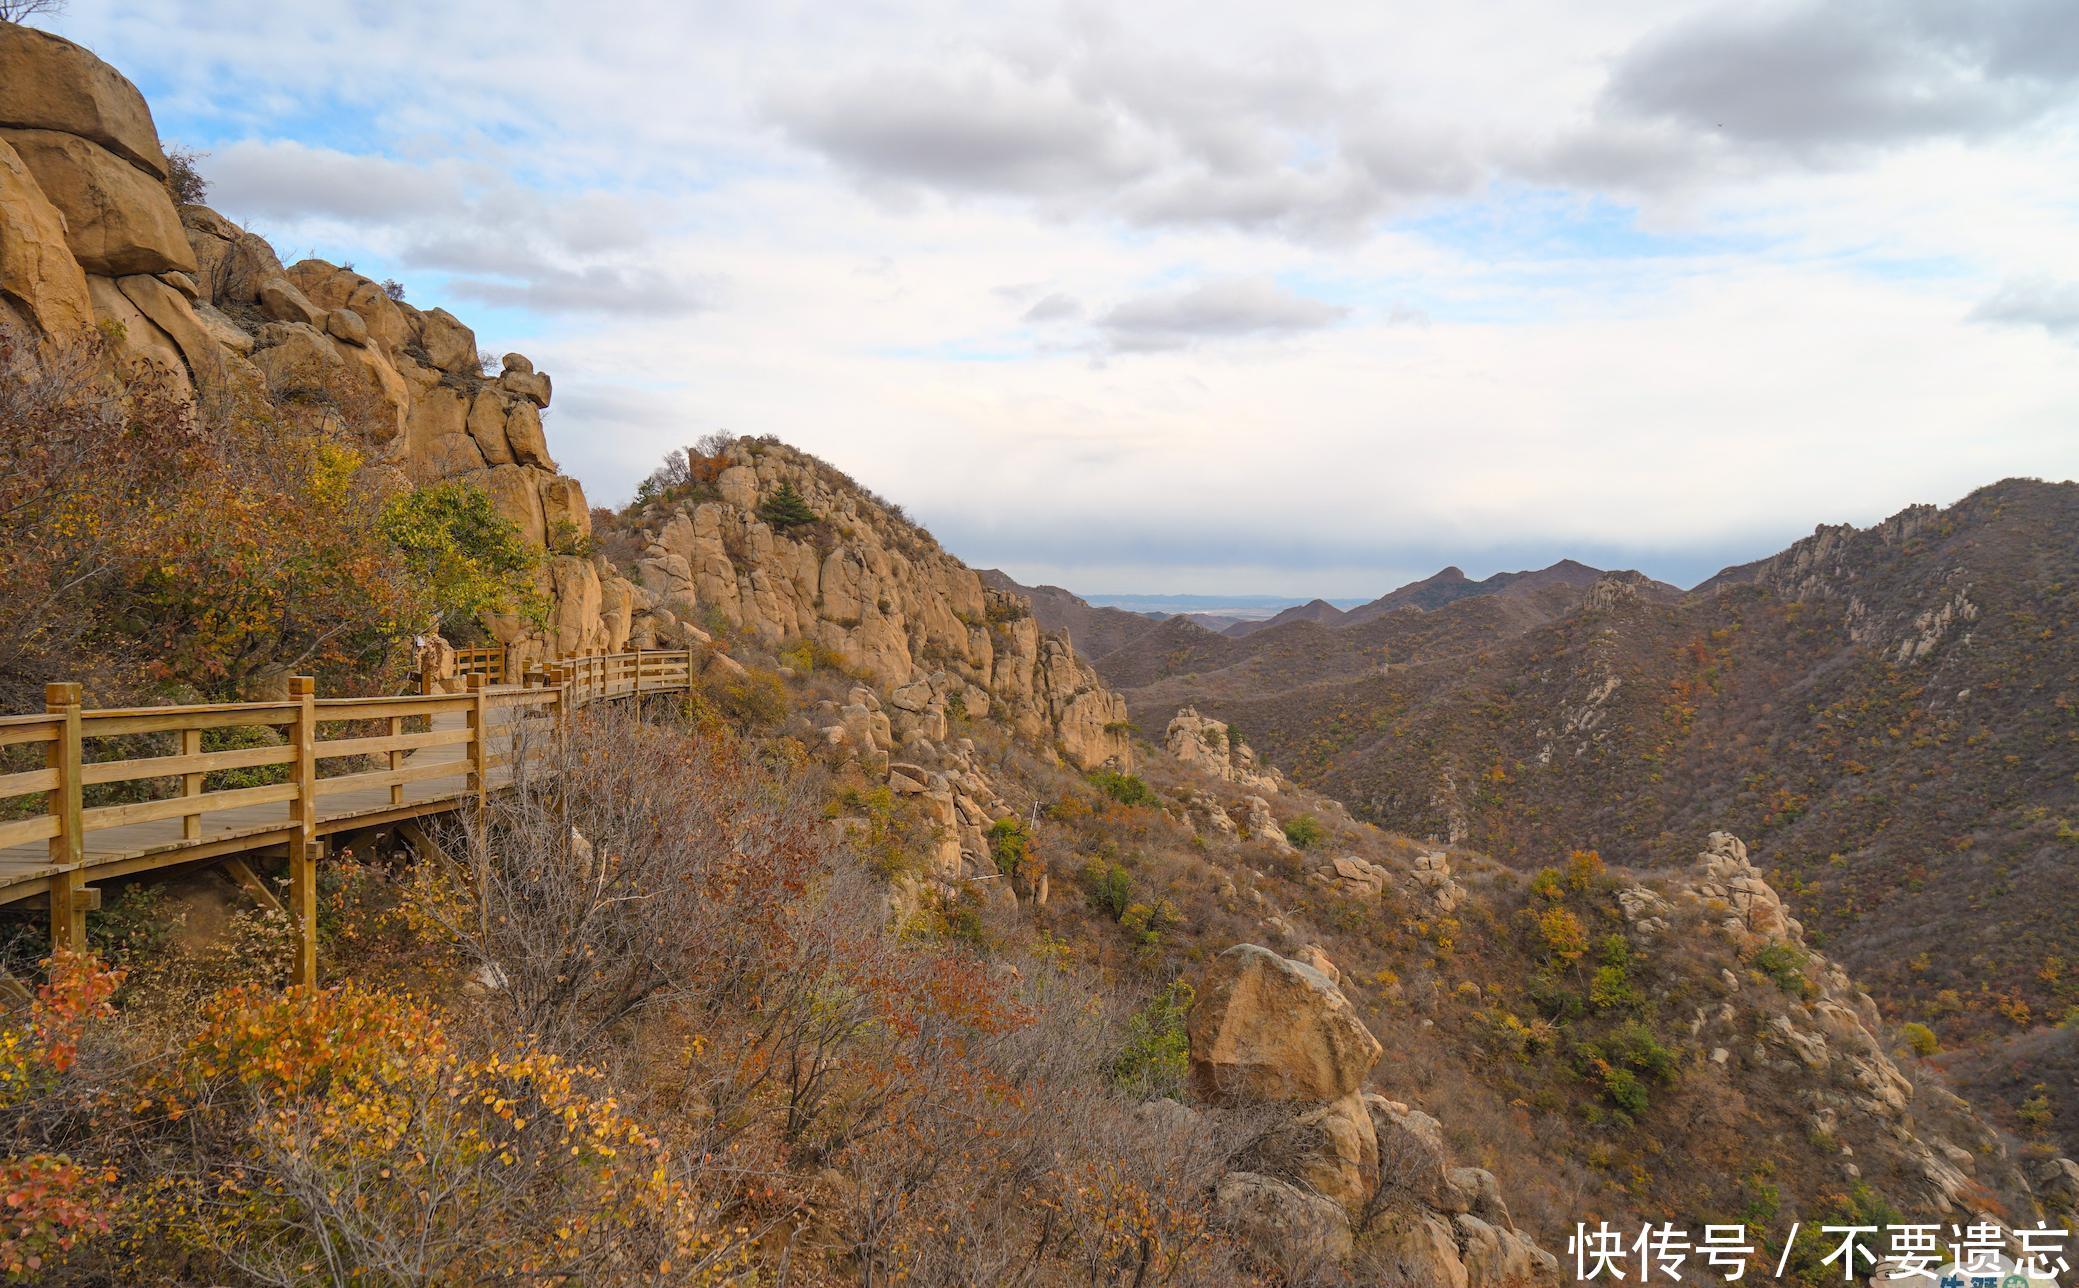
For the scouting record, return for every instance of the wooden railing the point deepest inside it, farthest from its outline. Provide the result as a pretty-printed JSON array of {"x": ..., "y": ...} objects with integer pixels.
[
  {"x": 131, "y": 789},
  {"x": 491, "y": 661}
]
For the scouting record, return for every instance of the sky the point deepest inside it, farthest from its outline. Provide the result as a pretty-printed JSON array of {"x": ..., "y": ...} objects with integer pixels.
[{"x": 1297, "y": 299}]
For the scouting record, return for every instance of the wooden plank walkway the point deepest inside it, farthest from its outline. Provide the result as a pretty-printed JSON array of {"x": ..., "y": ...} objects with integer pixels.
[
  {"x": 130, "y": 847},
  {"x": 336, "y": 765}
]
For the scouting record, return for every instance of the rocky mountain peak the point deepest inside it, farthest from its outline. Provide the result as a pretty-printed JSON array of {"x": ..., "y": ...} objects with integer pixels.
[{"x": 854, "y": 576}]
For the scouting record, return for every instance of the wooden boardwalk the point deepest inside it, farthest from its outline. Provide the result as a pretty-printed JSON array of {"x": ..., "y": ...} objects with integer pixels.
[{"x": 284, "y": 777}]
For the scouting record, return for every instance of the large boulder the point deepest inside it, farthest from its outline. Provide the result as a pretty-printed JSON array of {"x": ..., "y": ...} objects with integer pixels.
[
  {"x": 37, "y": 271},
  {"x": 564, "y": 515},
  {"x": 172, "y": 313},
  {"x": 118, "y": 219},
  {"x": 297, "y": 359},
  {"x": 1265, "y": 1028},
  {"x": 1332, "y": 1150},
  {"x": 1420, "y": 1248},
  {"x": 530, "y": 446},
  {"x": 1411, "y": 1153},
  {"x": 449, "y": 345},
  {"x": 1723, "y": 875},
  {"x": 49, "y": 83},
  {"x": 143, "y": 344},
  {"x": 1497, "y": 1256},
  {"x": 332, "y": 287},
  {"x": 1265, "y": 1214}
]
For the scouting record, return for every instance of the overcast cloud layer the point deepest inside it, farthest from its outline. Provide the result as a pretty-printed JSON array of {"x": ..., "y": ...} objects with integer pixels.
[{"x": 1299, "y": 299}]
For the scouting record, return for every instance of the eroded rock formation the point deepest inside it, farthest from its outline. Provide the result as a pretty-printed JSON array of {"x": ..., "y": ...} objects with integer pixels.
[
  {"x": 1208, "y": 744},
  {"x": 1339, "y": 1164}
]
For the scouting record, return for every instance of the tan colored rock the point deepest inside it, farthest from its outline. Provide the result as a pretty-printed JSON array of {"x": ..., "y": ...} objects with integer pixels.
[
  {"x": 1257, "y": 820},
  {"x": 1411, "y": 1150},
  {"x": 332, "y": 287},
  {"x": 565, "y": 517},
  {"x": 576, "y": 585},
  {"x": 1352, "y": 877},
  {"x": 374, "y": 396},
  {"x": 1421, "y": 1248},
  {"x": 450, "y": 346},
  {"x": 530, "y": 446},
  {"x": 346, "y": 325},
  {"x": 1725, "y": 876},
  {"x": 1202, "y": 811},
  {"x": 1268, "y": 1216},
  {"x": 281, "y": 301},
  {"x": 170, "y": 311},
  {"x": 1210, "y": 746},
  {"x": 144, "y": 345},
  {"x": 528, "y": 384},
  {"x": 118, "y": 219},
  {"x": 49, "y": 83},
  {"x": 437, "y": 440},
  {"x": 514, "y": 496},
  {"x": 1269, "y": 1029},
  {"x": 1316, "y": 956},
  {"x": 487, "y": 426},
  {"x": 1091, "y": 727},
  {"x": 37, "y": 270},
  {"x": 296, "y": 357},
  {"x": 227, "y": 334},
  {"x": 1332, "y": 1150}
]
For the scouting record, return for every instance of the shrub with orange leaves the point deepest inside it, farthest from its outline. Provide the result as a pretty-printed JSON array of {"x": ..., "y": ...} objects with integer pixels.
[
  {"x": 48, "y": 1206},
  {"x": 342, "y": 1128},
  {"x": 49, "y": 1202}
]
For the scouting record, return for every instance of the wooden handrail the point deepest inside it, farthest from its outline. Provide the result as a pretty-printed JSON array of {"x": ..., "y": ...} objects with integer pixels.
[{"x": 149, "y": 764}]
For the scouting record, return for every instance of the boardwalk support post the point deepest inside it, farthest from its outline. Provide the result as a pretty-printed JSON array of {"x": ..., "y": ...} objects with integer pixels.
[
  {"x": 68, "y": 902},
  {"x": 479, "y": 750},
  {"x": 305, "y": 848},
  {"x": 191, "y": 784}
]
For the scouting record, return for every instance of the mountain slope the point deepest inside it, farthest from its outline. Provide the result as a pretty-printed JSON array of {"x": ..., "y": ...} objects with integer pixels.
[
  {"x": 1886, "y": 712},
  {"x": 1318, "y": 611}
]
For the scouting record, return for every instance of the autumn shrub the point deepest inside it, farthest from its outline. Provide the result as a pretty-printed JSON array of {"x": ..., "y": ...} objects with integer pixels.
[
  {"x": 1010, "y": 845},
  {"x": 656, "y": 858},
  {"x": 1783, "y": 964},
  {"x": 753, "y": 701},
  {"x": 1126, "y": 789},
  {"x": 342, "y": 1128},
  {"x": 470, "y": 559},
  {"x": 1107, "y": 886},
  {"x": 202, "y": 546},
  {"x": 1304, "y": 831},
  {"x": 1561, "y": 934},
  {"x": 1920, "y": 1039}
]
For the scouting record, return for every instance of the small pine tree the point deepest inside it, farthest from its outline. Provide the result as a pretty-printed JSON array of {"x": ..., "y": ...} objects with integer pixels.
[{"x": 785, "y": 509}]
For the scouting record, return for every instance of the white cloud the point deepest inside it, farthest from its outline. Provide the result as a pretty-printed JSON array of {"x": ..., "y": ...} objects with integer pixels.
[
  {"x": 1222, "y": 309},
  {"x": 1127, "y": 290},
  {"x": 2034, "y": 301}
]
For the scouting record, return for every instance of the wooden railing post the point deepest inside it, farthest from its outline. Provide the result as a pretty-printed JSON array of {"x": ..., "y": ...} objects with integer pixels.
[
  {"x": 479, "y": 751},
  {"x": 689, "y": 668},
  {"x": 304, "y": 846},
  {"x": 397, "y": 756},
  {"x": 191, "y": 784},
  {"x": 68, "y": 895}
]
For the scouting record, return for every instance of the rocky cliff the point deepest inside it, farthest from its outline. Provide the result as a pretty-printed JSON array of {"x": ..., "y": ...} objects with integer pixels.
[
  {"x": 94, "y": 240},
  {"x": 854, "y": 577}
]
